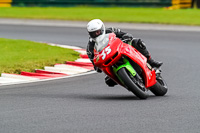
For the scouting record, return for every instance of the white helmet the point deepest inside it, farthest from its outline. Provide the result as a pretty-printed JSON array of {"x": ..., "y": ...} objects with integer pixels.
[{"x": 96, "y": 28}]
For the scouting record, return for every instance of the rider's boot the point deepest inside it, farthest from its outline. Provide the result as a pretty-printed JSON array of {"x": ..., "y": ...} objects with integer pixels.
[{"x": 154, "y": 63}]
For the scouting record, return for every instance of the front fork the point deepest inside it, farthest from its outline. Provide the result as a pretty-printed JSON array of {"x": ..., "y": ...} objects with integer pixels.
[{"x": 126, "y": 64}]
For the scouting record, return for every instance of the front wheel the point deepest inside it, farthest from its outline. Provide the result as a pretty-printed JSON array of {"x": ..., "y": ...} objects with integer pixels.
[
  {"x": 133, "y": 84},
  {"x": 160, "y": 88}
]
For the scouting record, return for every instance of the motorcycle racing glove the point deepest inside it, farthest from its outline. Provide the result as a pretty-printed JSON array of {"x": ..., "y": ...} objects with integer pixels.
[{"x": 127, "y": 37}]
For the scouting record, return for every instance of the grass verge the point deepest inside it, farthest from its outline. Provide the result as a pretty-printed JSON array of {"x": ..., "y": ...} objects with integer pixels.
[
  {"x": 22, "y": 55},
  {"x": 111, "y": 14}
]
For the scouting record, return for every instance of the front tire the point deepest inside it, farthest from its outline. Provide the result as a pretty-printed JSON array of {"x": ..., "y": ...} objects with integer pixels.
[
  {"x": 160, "y": 88},
  {"x": 128, "y": 80}
]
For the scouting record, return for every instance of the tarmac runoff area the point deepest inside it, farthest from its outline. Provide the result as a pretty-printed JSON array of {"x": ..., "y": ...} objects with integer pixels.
[{"x": 81, "y": 66}]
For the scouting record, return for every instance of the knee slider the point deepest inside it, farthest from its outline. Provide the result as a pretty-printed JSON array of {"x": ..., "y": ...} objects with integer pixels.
[{"x": 110, "y": 82}]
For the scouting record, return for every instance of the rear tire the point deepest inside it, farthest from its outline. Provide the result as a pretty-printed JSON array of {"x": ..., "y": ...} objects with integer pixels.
[
  {"x": 160, "y": 88},
  {"x": 131, "y": 85}
]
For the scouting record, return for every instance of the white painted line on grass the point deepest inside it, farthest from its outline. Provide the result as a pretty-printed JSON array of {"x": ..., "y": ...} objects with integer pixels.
[
  {"x": 5, "y": 80},
  {"x": 71, "y": 67},
  {"x": 14, "y": 76},
  {"x": 33, "y": 81},
  {"x": 83, "y": 60}
]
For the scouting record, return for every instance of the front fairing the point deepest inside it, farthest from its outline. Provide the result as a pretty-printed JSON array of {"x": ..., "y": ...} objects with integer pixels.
[
  {"x": 113, "y": 50},
  {"x": 106, "y": 50}
]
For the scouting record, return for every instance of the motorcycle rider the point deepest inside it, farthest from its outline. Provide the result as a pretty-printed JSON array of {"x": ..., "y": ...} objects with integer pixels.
[{"x": 96, "y": 28}]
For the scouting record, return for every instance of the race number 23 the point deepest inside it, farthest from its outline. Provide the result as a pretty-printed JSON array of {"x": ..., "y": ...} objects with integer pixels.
[{"x": 105, "y": 52}]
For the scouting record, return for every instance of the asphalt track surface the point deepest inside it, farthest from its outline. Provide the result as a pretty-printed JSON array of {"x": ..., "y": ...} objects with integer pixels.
[{"x": 85, "y": 104}]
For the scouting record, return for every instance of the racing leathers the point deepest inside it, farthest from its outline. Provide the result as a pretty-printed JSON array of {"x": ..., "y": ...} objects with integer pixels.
[{"x": 136, "y": 43}]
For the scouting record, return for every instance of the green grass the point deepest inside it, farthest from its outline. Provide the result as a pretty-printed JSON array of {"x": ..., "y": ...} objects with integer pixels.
[
  {"x": 22, "y": 55},
  {"x": 111, "y": 14}
]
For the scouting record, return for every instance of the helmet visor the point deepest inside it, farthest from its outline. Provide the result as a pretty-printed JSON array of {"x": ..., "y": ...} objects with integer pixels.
[{"x": 95, "y": 34}]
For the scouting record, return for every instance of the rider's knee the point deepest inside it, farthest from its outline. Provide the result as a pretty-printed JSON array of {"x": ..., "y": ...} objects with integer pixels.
[{"x": 110, "y": 82}]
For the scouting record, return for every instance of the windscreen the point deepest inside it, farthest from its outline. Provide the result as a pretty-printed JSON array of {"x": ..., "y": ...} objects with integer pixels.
[{"x": 100, "y": 44}]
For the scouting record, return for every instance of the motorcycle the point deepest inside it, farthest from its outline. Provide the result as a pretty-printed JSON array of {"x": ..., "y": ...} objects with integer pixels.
[{"x": 126, "y": 66}]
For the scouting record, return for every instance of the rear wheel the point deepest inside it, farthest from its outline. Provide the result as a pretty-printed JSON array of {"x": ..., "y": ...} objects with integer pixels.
[
  {"x": 160, "y": 88},
  {"x": 133, "y": 84}
]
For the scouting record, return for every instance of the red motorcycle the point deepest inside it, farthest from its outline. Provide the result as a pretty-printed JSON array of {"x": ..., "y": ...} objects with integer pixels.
[{"x": 128, "y": 67}]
